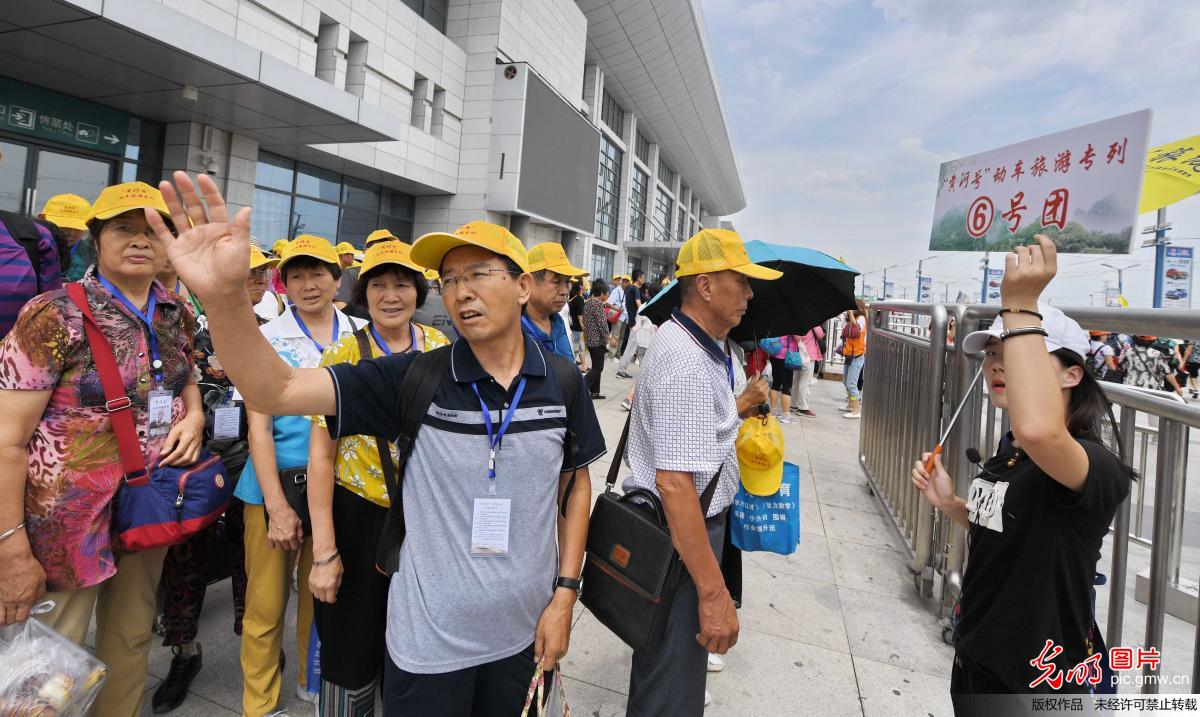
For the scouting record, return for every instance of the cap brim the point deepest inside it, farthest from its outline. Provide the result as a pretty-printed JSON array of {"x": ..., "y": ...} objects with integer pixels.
[
  {"x": 268, "y": 263},
  {"x": 756, "y": 271},
  {"x": 67, "y": 222},
  {"x": 110, "y": 213},
  {"x": 762, "y": 482},
  {"x": 568, "y": 270},
  {"x": 297, "y": 254},
  {"x": 976, "y": 341},
  {"x": 365, "y": 269},
  {"x": 429, "y": 250}
]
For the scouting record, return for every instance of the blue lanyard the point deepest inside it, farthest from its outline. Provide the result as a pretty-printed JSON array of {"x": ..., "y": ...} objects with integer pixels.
[
  {"x": 75, "y": 248},
  {"x": 147, "y": 318},
  {"x": 535, "y": 332},
  {"x": 300, "y": 323},
  {"x": 383, "y": 344},
  {"x": 494, "y": 439}
]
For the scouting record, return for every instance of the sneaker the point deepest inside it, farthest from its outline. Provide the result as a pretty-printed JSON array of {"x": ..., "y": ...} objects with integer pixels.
[
  {"x": 852, "y": 415},
  {"x": 707, "y": 697},
  {"x": 627, "y": 405},
  {"x": 174, "y": 690},
  {"x": 715, "y": 663},
  {"x": 622, "y": 374},
  {"x": 807, "y": 414},
  {"x": 309, "y": 697},
  {"x": 786, "y": 419}
]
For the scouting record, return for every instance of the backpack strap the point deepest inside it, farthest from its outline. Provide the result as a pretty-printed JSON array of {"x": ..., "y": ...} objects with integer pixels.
[
  {"x": 568, "y": 377},
  {"x": 117, "y": 403},
  {"x": 26, "y": 233},
  {"x": 381, "y": 444},
  {"x": 417, "y": 390}
]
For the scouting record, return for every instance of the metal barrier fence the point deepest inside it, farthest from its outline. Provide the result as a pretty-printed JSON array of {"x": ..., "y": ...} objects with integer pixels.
[{"x": 915, "y": 380}]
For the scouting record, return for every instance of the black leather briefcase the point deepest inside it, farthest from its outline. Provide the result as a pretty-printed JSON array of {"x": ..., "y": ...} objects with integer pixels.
[{"x": 632, "y": 568}]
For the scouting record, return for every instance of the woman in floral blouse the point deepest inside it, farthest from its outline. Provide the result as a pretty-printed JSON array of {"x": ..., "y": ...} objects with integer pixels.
[
  {"x": 59, "y": 463},
  {"x": 596, "y": 334},
  {"x": 347, "y": 491}
]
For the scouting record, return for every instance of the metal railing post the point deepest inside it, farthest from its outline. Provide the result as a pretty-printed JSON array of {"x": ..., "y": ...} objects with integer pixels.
[
  {"x": 1120, "y": 554},
  {"x": 1164, "y": 531}
]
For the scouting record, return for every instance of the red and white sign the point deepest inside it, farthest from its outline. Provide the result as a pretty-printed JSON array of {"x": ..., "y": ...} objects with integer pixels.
[{"x": 1080, "y": 187}]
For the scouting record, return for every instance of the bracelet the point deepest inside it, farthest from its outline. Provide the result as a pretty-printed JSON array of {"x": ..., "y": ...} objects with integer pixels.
[
  {"x": 326, "y": 561},
  {"x": 1029, "y": 312},
  {"x": 1023, "y": 331},
  {"x": 12, "y": 531}
]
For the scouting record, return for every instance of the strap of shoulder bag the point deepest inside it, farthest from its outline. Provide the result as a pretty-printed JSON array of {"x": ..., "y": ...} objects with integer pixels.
[
  {"x": 381, "y": 444},
  {"x": 568, "y": 378},
  {"x": 614, "y": 468},
  {"x": 117, "y": 403}
]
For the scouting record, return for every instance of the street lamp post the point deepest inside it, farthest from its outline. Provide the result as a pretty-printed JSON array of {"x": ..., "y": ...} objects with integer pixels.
[{"x": 1120, "y": 276}]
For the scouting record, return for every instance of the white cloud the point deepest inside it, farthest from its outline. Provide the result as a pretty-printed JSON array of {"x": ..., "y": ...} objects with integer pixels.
[{"x": 839, "y": 141}]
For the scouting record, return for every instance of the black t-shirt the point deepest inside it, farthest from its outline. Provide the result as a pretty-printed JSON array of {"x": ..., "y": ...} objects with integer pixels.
[
  {"x": 575, "y": 306},
  {"x": 1034, "y": 545},
  {"x": 633, "y": 295}
]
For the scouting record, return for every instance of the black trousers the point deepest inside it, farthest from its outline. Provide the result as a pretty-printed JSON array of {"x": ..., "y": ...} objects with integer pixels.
[
  {"x": 781, "y": 376},
  {"x": 597, "y": 354},
  {"x": 731, "y": 567},
  {"x": 352, "y": 629},
  {"x": 496, "y": 689},
  {"x": 976, "y": 693}
]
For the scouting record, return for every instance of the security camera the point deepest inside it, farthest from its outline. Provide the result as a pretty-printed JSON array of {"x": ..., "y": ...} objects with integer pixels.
[{"x": 211, "y": 166}]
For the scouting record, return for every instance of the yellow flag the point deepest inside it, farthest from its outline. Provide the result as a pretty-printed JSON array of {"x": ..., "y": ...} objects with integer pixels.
[
  {"x": 1172, "y": 174},
  {"x": 1122, "y": 302}
]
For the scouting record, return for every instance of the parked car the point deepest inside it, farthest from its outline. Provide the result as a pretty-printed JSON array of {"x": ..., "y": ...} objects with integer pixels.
[
  {"x": 1175, "y": 294},
  {"x": 993, "y": 294},
  {"x": 1174, "y": 273},
  {"x": 994, "y": 284}
]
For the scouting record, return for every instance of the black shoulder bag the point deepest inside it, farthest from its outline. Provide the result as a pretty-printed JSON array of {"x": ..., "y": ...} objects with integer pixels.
[
  {"x": 632, "y": 568},
  {"x": 417, "y": 389}
]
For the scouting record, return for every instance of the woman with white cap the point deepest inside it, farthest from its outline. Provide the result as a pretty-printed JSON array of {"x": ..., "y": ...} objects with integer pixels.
[{"x": 1038, "y": 511}]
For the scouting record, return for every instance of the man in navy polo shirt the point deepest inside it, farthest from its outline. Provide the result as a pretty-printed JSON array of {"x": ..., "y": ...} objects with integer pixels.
[
  {"x": 483, "y": 592},
  {"x": 552, "y": 273}
]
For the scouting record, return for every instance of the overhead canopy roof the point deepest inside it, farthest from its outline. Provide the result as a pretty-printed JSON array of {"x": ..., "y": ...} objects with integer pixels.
[
  {"x": 137, "y": 56},
  {"x": 657, "y": 64}
]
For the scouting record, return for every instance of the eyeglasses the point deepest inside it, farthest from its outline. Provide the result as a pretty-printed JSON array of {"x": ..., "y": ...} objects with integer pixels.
[
  {"x": 257, "y": 275},
  {"x": 474, "y": 277},
  {"x": 128, "y": 231}
]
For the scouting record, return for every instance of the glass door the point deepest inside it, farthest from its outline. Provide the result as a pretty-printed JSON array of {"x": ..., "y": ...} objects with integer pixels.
[
  {"x": 14, "y": 161},
  {"x": 58, "y": 173}
]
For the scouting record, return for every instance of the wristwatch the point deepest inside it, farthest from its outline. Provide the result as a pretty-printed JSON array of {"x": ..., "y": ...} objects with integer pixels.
[{"x": 568, "y": 583}]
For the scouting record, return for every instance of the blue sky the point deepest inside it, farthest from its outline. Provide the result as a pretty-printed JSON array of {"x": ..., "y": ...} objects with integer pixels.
[{"x": 842, "y": 110}]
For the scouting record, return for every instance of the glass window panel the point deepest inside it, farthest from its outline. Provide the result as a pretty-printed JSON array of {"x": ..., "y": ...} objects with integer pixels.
[
  {"x": 274, "y": 172},
  {"x": 602, "y": 263},
  {"x": 662, "y": 216},
  {"x": 398, "y": 204},
  {"x": 400, "y": 227},
  {"x": 13, "y": 158},
  {"x": 356, "y": 225},
  {"x": 318, "y": 183},
  {"x": 313, "y": 217},
  {"x": 269, "y": 221},
  {"x": 69, "y": 174},
  {"x": 360, "y": 195},
  {"x": 608, "y": 191},
  {"x": 638, "y": 196}
]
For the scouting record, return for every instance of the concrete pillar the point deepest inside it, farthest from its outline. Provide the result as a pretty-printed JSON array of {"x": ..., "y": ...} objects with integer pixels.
[
  {"x": 230, "y": 159},
  {"x": 593, "y": 91},
  {"x": 518, "y": 224},
  {"x": 333, "y": 44}
]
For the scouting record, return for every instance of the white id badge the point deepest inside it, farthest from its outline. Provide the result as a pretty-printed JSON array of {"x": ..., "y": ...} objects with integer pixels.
[
  {"x": 489, "y": 527},
  {"x": 227, "y": 421},
  {"x": 158, "y": 411}
]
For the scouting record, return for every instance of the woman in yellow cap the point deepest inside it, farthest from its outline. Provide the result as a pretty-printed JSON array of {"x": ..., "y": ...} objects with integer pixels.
[
  {"x": 348, "y": 494},
  {"x": 56, "y": 506},
  {"x": 275, "y": 530}
]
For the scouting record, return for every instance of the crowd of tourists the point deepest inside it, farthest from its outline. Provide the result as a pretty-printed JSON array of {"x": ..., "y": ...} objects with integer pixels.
[
  {"x": 398, "y": 451},
  {"x": 404, "y": 435}
]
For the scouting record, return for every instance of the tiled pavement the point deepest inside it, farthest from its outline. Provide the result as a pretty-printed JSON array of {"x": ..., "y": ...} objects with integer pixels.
[{"x": 833, "y": 629}]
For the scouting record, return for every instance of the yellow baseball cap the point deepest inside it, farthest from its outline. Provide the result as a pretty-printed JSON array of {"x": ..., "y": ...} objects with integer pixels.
[
  {"x": 309, "y": 245},
  {"x": 760, "y": 455},
  {"x": 550, "y": 256},
  {"x": 388, "y": 252},
  {"x": 345, "y": 248},
  {"x": 121, "y": 198},
  {"x": 68, "y": 211},
  {"x": 713, "y": 250},
  {"x": 259, "y": 260},
  {"x": 430, "y": 249},
  {"x": 279, "y": 247},
  {"x": 431, "y": 274},
  {"x": 381, "y": 235}
]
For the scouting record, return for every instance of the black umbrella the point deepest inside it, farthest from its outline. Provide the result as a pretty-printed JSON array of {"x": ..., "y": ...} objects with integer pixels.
[{"x": 814, "y": 287}]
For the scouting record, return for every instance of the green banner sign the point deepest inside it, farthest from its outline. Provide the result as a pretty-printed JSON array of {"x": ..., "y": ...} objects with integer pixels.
[{"x": 45, "y": 114}]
